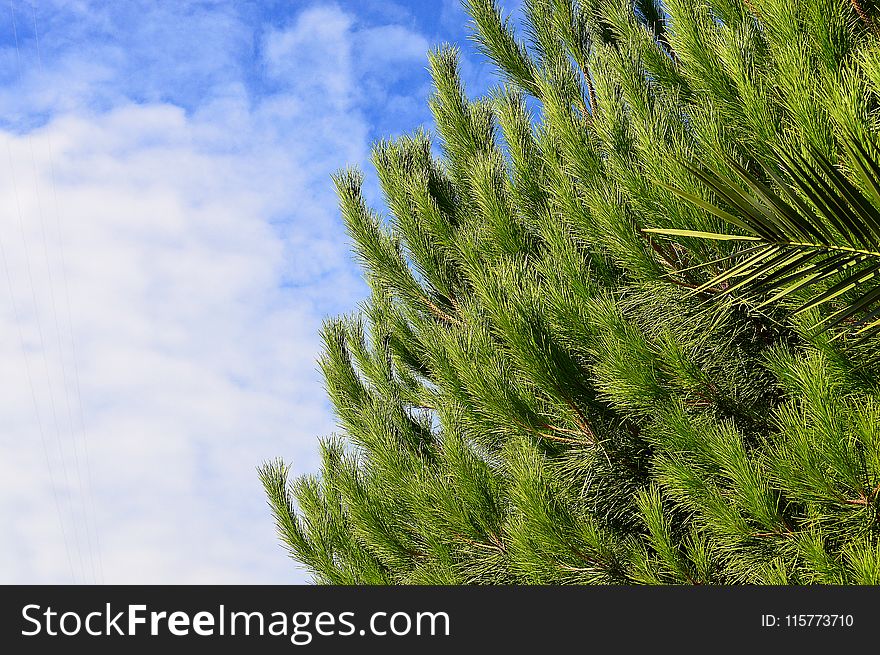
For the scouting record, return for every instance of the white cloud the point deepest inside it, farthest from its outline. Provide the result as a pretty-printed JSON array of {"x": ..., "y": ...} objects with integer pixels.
[
  {"x": 194, "y": 364},
  {"x": 295, "y": 56},
  {"x": 202, "y": 249},
  {"x": 390, "y": 44}
]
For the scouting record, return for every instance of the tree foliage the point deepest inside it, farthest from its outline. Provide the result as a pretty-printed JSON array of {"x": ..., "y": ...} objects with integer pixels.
[
  {"x": 800, "y": 245},
  {"x": 541, "y": 389}
]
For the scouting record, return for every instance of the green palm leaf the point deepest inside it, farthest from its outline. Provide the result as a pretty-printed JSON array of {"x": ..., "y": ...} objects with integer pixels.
[{"x": 814, "y": 231}]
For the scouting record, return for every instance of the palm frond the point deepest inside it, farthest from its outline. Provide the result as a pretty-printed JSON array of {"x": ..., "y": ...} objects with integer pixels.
[{"x": 813, "y": 231}]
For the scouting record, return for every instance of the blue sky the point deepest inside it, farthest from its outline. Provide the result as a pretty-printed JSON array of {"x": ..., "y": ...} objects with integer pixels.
[{"x": 169, "y": 245}]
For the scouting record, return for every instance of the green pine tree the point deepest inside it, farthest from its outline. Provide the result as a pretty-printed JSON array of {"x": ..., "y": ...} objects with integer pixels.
[{"x": 622, "y": 330}]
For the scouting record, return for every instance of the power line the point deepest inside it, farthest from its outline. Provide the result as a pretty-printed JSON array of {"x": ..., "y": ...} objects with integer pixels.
[
  {"x": 18, "y": 322},
  {"x": 66, "y": 289},
  {"x": 42, "y": 341}
]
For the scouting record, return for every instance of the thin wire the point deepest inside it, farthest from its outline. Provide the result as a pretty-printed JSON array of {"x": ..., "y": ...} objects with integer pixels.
[
  {"x": 30, "y": 379},
  {"x": 76, "y": 377},
  {"x": 42, "y": 342},
  {"x": 61, "y": 358}
]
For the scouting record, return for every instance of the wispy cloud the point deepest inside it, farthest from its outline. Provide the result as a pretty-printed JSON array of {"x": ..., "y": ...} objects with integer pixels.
[{"x": 201, "y": 249}]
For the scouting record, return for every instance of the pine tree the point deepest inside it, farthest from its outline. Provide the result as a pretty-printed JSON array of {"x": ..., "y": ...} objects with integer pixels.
[{"x": 558, "y": 376}]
